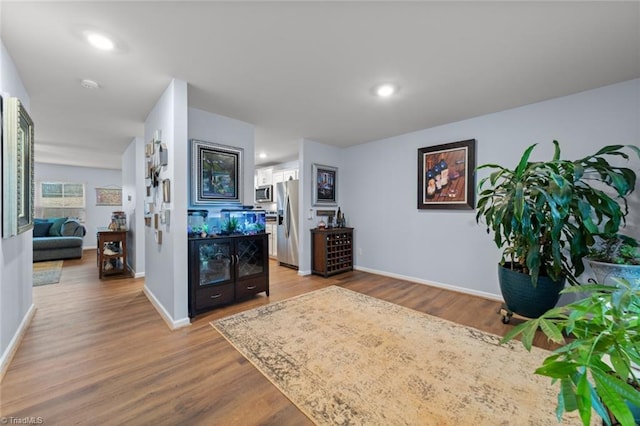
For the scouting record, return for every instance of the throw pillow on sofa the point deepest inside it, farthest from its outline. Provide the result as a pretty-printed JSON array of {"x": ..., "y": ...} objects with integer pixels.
[
  {"x": 73, "y": 228},
  {"x": 56, "y": 226},
  {"x": 41, "y": 229}
]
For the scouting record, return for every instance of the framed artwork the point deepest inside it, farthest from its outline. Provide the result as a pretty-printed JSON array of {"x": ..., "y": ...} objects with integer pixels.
[
  {"x": 446, "y": 176},
  {"x": 166, "y": 190},
  {"x": 325, "y": 185},
  {"x": 108, "y": 196},
  {"x": 17, "y": 168},
  {"x": 163, "y": 155},
  {"x": 217, "y": 173}
]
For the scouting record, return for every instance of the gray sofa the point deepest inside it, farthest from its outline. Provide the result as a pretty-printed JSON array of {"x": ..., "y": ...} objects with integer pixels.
[{"x": 57, "y": 238}]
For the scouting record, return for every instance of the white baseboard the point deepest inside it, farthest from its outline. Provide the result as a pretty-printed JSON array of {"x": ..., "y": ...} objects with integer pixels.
[
  {"x": 464, "y": 290},
  {"x": 138, "y": 275},
  {"x": 8, "y": 354},
  {"x": 304, "y": 273},
  {"x": 173, "y": 324}
]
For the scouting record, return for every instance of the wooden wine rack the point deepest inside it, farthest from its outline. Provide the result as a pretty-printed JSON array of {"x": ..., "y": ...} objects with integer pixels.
[{"x": 331, "y": 251}]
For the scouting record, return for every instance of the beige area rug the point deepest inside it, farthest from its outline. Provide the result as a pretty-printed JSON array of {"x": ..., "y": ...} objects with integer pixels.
[
  {"x": 47, "y": 272},
  {"x": 344, "y": 358}
]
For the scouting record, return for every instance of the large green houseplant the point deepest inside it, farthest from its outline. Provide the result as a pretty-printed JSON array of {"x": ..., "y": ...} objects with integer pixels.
[
  {"x": 598, "y": 368},
  {"x": 544, "y": 214}
]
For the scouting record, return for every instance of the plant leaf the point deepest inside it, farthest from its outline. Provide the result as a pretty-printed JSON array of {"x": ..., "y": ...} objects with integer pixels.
[
  {"x": 568, "y": 394},
  {"x": 518, "y": 329},
  {"x": 613, "y": 391},
  {"x": 551, "y": 330},
  {"x": 522, "y": 165},
  {"x": 583, "y": 399}
]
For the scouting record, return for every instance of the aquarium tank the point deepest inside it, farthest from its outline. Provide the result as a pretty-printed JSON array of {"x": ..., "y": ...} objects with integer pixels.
[
  {"x": 242, "y": 221},
  {"x": 197, "y": 222}
]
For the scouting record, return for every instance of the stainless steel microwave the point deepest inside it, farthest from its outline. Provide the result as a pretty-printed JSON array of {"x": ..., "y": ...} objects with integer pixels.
[{"x": 264, "y": 194}]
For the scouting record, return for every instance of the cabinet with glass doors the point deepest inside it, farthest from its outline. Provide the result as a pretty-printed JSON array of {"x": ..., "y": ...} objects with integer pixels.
[{"x": 226, "y": 269}]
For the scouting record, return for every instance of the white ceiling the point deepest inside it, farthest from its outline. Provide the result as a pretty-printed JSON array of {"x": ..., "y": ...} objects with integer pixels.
[{"x": 305, "y": 69}]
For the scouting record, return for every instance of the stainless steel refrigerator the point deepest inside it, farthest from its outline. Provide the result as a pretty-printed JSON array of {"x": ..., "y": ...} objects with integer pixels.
[{"x": 287, "y": 204}]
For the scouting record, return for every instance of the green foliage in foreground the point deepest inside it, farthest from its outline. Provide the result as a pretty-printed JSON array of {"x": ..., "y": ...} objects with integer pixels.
[{"x": 594, "y": 367}]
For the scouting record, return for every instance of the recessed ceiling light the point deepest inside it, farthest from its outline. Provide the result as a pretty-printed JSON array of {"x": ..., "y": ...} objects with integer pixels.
[
  {"x": 385, "y": 90},
  {"x": 89, "y": 84},
  {"x": 100, "y": 41},
  {"x": 262, "y": 155}
]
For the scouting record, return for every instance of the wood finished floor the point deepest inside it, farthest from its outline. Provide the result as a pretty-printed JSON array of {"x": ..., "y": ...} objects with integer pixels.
[{"x": 97, "y": 352}]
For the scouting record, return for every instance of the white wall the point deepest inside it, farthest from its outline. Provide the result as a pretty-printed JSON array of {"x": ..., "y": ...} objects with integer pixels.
[
  {"x": 133, "y": 194},
  {"x": 92, "y": 178},
  {"x": 448, "y": 248},
  {"x": 166, "y": 263},
  {"x": 16, "y": 253},
  {"x": 313, "y": 152}
]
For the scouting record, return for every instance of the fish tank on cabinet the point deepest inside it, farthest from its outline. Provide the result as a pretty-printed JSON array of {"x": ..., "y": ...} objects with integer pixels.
[
  {"x": 242, "y": 221},
  {"x": 197, "y": 222}
]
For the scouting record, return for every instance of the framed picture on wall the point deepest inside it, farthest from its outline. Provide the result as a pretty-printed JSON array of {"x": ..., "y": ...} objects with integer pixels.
[
  {"x": 17, "y": 168},
  {"x": 325, "y": 185},
  {"x": 108, "y": 196},
  {"x": 446, "y": 176},
  {"x": 166, "y": 190},
  {"x": 216, "y": 173}
]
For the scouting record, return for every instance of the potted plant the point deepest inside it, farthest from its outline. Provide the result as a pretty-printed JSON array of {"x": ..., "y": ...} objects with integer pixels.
[
  {"x": 544, "y": 216},
  {"x": 230, "y": 226},
  {"x": 597, "y": 369},
  {"x": 615, "y": 256}
]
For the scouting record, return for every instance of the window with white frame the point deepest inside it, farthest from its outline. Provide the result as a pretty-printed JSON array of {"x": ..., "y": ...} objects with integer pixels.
[{"x": 60, "y": 199}]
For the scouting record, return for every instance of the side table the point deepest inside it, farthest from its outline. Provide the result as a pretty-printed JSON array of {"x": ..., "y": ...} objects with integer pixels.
[{"x": 112, "y": 252}]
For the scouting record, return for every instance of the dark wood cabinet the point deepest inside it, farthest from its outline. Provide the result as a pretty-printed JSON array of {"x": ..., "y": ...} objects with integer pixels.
[
  {"x": 331, "y": 251},
  {"x": 226, "y": 269}
]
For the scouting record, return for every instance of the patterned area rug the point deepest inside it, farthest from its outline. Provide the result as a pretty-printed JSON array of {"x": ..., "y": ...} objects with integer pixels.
[
  {"x": 47, "y": 272},
  {"x": 344, "y": 358}
]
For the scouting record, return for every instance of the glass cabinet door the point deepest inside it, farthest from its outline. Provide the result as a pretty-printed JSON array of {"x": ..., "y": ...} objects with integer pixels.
[
  {"x": 250, "y": 257},
  {"x": 215, "y": 265}
]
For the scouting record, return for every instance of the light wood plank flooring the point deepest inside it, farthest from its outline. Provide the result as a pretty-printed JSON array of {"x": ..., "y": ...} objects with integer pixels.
[{"x": 97, "y": 352}]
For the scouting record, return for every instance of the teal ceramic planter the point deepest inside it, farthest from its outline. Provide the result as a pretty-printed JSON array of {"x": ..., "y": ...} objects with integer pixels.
[{"x": 522, "y": 298}]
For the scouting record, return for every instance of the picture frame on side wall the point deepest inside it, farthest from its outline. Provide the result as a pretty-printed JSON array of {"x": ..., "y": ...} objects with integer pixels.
[
  {"x": 17, "y": 168},
  {"x": 216, "y": 173},
  {"x": 446, "y": 176},
  {"x": 166, "y": 190},
  {"x": 325, "y": 185}
]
